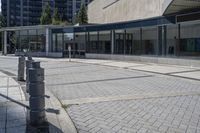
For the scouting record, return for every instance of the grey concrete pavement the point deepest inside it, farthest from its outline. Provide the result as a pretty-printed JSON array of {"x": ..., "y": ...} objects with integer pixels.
[
  {"x": 12, "y": 114},
  {"x": 112, "y": 96},
  {"x": 12, "y": 97}
]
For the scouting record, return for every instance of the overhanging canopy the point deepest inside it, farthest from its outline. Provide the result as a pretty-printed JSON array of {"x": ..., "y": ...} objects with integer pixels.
[{"x": 176, "y": 6}]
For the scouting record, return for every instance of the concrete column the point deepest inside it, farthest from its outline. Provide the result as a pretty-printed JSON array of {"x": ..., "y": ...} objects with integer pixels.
[
  {"x": 141, "y": 48},
  {"x": 178, "y": 41},
  {"x": 164, "y": 40},
  {"x": 5, "y": 43},
  {"x": 124, "y": 35},
  {"x": 112, "y": 41},
  {"x": 2, "y": 42},
  {"x": 159, "y": 40},
  {"x": 48, "y": 41}
]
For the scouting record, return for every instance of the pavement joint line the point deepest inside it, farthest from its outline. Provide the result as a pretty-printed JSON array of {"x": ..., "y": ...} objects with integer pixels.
[
  {"x": 140, "y": 62},
  {"x": 183, "y": 72},
  {"x": 66, "y": 67},
  {"x": 167, "y": 74},
  {"x": 73, "y": 73},
  {"x": 103, "y": 80},
  {"x": 124, "y": 97},
  {"x": 11, "y": 86}
]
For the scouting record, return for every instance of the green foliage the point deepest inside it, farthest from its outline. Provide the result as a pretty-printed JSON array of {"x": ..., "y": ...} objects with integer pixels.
[
  {"x": 2, "y": 21},
  {"x": 65, "y": 23},
  {"x": 13, "y": 37},
  {"x": 82, "y": 17},
  {"x": 2, "y": 24},
  {"x": 56, "y": 20},
  {"x": 45, "y": 18}
]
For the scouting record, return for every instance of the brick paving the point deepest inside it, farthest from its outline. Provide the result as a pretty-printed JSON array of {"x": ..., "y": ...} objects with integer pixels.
[
  {"x": 175, "y": 110},
  {"x": 169, "y": 113}
]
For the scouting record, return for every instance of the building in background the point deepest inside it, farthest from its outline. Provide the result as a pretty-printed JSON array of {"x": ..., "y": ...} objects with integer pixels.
[
  {"x": 21, "y": 12},
  {"x": 28, "y": 12},
  {"x": 142, "y": 32},
  {"x": 73, "y": 7},
  {"x": 111, "y": 11}
]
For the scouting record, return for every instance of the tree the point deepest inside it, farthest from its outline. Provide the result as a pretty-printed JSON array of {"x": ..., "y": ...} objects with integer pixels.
[
  {"x": 2, "y": 24},
  {"x": 56, "y": 20},
  {"x": 2, "y": 21},
  {"x": 46, "y": 16},
  {"x": 82, "y": 17},
  {"x": 12, "y": 41}
]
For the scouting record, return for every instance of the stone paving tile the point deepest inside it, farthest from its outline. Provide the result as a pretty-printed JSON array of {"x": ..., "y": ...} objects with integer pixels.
[
  {"x": 138, "y": 110},
  {"x": 163, "y": 68},
  {"x": 73, "y": 80},
  {"x": 195, "y": 75},
  {"x": 89, "y": 81}
]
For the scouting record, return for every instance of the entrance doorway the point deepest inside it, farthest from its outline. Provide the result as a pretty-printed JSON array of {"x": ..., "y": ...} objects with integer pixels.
[{"x": 74, "y": 49}]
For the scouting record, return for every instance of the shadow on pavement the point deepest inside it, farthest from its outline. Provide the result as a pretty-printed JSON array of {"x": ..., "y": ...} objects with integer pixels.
[
  {"x": 54, "y": 111},
  {"x": 14, "y": 101},
  {"x": 46, "y": 128}
]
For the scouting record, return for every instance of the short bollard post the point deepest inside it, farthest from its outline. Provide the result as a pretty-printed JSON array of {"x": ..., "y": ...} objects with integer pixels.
[
  {"x": 28, "y": 65},
  {"x": 37, "y": 94},
  {"x": 21, "y": 65}
]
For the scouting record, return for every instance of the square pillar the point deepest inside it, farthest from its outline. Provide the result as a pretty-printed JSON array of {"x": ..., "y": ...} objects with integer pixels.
[
  {"x": 164, "y": 40},
  {"x": 159, "y": 39},
  {"x": 48, "y": 41},
  {"x": 112, "y": 41},
  {"x": 141, "y": 39},
  {"x": 5, "y": 43},
  {"x": 178, "y": 41}
]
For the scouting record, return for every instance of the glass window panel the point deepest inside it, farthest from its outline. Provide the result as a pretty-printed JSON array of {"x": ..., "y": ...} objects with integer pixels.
[
  {"x": 190, "y": 39},
  {"x": 93, "y": 42},
  {"x": 105, "y": 42},
  {"x": 133, "y": 41},
  {"x": 119, "y": 47},
  {"x": 150, "y": 41},
  {"x": 172, "y": 39}
]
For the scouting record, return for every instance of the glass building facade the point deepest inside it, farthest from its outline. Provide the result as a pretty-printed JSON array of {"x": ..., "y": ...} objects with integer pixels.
[
  {"x": 32, "y": 40},
  {"x": 161, "y": 36}
]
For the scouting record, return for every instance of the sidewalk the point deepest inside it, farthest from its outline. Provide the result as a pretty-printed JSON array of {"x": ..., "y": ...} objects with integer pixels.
[
  {"x": 12, "y": 114},
  {"x": 13, "y": 109}
]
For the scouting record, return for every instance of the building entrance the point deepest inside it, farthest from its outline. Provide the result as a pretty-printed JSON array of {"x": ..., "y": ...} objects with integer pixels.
[{"x": 72, "y": 47}]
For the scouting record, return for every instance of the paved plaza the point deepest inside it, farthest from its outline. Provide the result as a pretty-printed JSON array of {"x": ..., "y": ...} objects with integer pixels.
[
  {"x": 103, "y": 96},
  {"x": 111, "y": 96},
  {"x": 12, "y": 114}
]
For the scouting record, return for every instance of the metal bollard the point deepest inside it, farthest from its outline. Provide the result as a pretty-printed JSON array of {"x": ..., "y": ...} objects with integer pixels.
[
  {"x": 37, "y": 94},
  {"x": 28, "y": 65},
  {"x": 21, "y": 65}
]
